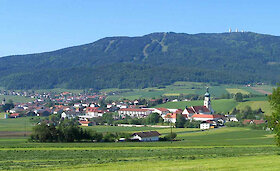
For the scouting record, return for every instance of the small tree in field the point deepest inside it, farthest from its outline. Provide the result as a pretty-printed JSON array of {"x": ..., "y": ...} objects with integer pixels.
[
  {"x": 238, "y": 97},
  {"x": 274, "y": 119}
]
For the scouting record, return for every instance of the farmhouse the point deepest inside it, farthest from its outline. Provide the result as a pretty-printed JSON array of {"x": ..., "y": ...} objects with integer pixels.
[
  {"x": 93, "y": 112},
  {"x": 146, "y": 136},
  {"x": 134, "y": 113}
]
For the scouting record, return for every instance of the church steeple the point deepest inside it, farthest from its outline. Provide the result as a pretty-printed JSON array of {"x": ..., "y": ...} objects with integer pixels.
[{"x": 207, "y": 100}]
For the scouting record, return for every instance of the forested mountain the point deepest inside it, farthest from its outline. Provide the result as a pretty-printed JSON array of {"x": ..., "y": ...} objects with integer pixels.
[{"x": 151, "y": 60}]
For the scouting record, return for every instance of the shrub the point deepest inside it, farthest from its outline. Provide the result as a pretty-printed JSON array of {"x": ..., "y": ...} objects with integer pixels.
[
  {"x": 233, "y": 124},
  {"x": 170, "y": 136}
]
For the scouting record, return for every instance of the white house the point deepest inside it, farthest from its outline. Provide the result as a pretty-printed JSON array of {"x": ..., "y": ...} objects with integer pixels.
[
  {"x": 70, "y": 114},
  {"x": 146, "y": 136},
  {"x": 93, "y": 112},
  {"x": 205, "y": 126},
  {"x": 134, "y": 113}
]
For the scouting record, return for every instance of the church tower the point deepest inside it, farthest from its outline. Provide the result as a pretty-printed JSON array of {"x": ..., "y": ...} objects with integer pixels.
[{"x": 207, "y": 101}]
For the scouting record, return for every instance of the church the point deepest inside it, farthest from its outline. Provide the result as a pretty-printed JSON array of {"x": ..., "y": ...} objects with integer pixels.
[{"x": 202, "y": 113}]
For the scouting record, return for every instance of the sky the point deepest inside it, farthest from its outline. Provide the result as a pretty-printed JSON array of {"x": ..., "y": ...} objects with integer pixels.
[{"x": 33, "y": 26}]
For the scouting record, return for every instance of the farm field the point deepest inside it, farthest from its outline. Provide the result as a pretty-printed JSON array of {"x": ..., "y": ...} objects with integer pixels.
[
  {"x": 171, "y": 90},
  {"x": 248, "y": 148},
  {"x": 240, "y": 163},
  {"x": 236, "y": 90}
]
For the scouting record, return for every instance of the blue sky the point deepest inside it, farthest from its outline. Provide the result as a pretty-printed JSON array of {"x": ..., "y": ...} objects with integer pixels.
[{"x": 31, "y": 26}]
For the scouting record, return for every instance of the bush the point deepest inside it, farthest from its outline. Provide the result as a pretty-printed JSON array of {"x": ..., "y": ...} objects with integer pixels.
[
  {"x": 109, "y": 137},
  {"x": 233, "y": 124},
  {"x": 192, "y": 124},
  {"x": 170, "y": 136}
]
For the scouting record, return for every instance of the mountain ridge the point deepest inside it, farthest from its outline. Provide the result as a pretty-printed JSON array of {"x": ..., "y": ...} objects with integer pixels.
[{"x": 205, "y": 57}]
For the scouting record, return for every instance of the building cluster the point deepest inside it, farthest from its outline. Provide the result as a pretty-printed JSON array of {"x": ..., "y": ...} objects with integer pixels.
[{"x": 87, "y": 107}]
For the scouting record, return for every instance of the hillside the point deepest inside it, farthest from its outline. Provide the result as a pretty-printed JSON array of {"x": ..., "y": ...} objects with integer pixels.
[{"x": 151, "y": 60}]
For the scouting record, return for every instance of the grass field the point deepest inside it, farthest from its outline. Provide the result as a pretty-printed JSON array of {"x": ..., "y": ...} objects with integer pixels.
[
  {"x": 236, "y": 90},
  {"x": 216, "y": 149},
  {"x": 264, "y": 105},
  {"x": 220, "y": 106},
  {"x": 232, "y": 163},
  {"x": 184, "y": 88},
  {"x": 15, "y": 124},
  {"x": 2, "y": 115},
  {"x": 171, "y": 90},
  {"x": 16, "y": 99}
]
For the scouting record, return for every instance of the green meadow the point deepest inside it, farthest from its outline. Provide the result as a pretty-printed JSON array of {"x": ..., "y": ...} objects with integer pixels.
[
  {"x": 175, "y": 89},
  {"x": 16, "y": 99},
  {"x": 195, "y": 150},
  {"x": 220, "y": 106}
]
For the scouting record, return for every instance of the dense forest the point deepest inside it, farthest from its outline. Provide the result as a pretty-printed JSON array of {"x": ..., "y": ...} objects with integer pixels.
[{"x": 151, "y": 60}]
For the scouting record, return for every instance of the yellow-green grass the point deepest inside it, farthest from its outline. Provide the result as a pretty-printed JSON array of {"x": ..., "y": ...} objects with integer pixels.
[
  {"x": 220, "y": 106},
  {"x": 236, "y": 90},
  {"x": 253, "y": 163},
  {"x": 16, "y": 99},
  {"x": 264, "y": 105},
  {"x": 171, "y": 94}
]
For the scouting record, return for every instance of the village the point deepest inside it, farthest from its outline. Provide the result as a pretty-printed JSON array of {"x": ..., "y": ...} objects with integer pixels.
[{"x": 91, "y": 109}]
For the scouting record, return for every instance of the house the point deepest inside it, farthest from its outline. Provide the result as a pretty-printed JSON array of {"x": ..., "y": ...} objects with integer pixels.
[
  {"x": 85, "y": 123},
  {"x": 146, "y": 136},
  {"x": 42, "y": 112},
  {"x": 134, "y": 113},
  {"x": 70, "y": 114},
  {"x": 92, "y": 112},
  {"x": 232, "y": 118},
  {"x": 170, "y": 117},
  {"x": 205, "y": 125},
  {"x": 257, "y": 122},
  {"x": 161, "y": 111},
  {"x": 14, "y": 115},
  {"x": 203, "y": 117}
]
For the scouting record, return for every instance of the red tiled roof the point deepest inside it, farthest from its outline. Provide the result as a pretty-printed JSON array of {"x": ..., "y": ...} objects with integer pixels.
[
  {"x": 84, "y": 122},
  {"x": 206, "y": 116},
  {"x": 170, "y": 115},
  {"x": 258, "y": 121},
  {"x": 199, "y": 109},
  {"x": 246, "y": 121},
  {"x": 136, "y": 110},
  {"x": 14, "y": 114},
  {"x": 162, "y": 109}
]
